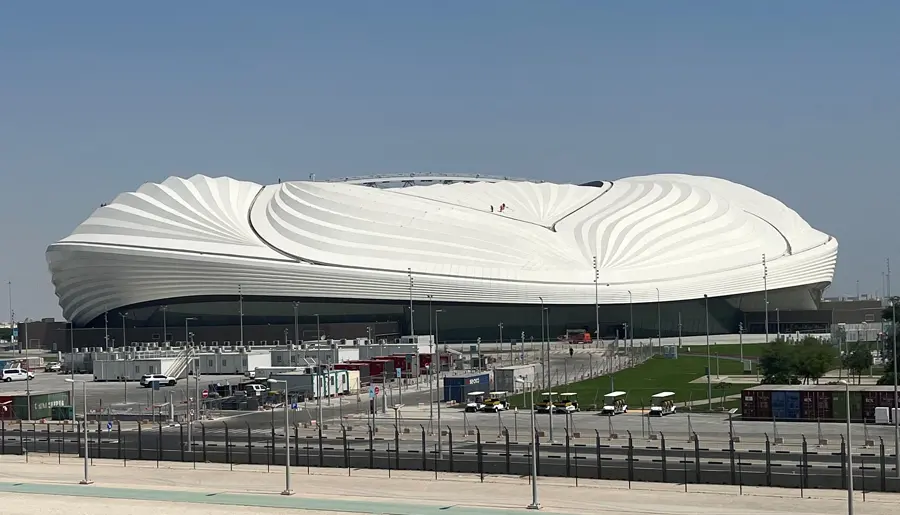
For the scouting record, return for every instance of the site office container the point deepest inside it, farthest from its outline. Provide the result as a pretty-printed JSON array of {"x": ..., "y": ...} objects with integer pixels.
[
  {"x": 361, "y": 368},
  {"x": 456, "y": 388}
]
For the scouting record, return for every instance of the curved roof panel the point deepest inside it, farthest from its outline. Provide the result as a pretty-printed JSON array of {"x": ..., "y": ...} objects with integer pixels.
[{"x": 478, "y": 241}]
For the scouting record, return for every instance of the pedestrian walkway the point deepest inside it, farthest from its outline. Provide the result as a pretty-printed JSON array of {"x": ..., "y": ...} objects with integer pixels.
[{"x": 177, "y": 487}]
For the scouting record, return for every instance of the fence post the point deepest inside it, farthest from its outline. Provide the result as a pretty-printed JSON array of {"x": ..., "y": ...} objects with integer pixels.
[
  {"x": 424, "y": 451},
  {"x": 203, "y": 440},
  {"x": 508, "y": 464},
  {"x": 843, "y": 464},
  {"x": 158, "y": 443},
  {"x": 804, "y": 462},
  {"x": 630, "y": 459},
  {"x": 768, "y": 461},
  {"x": 140, "y": 441},
  {"x": 271, "y": 450},
  {"x": 227, "y": 445},
  {"x": 181, "y": 439},
  {"x": 662, "y": 450},
  {"x": 371, "y": 447},
  {"x": 119, "y": 454},
  {"x": 731, "y": 458},
  {"x": 321, "y": 449},
  {"x": 296, "y": 443},
  {"x": 249, "y": 445},
  {"x": 478, "y": 451},
  {"x": 396, "y": 447},
  {"x": 568, "y": 453},
  {"x": 882, "y": 465},
  {"x": 49, "y": 452},
  {"x": 697, "y": 458},
  {"x": 346, "y": 450},
  {"x": 599, "y": 457},
  {"x": 450, "y": 445}
]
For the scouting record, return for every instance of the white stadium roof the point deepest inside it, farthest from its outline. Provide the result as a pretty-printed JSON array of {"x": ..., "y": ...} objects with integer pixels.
[{"x": 684, "y": 235}]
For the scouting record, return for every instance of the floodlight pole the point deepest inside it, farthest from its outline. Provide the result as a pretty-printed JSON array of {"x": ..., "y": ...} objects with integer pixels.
[
  {"x": 708, "y": 360},
  {"x": 596, "y": 300},
  {"x": 766, "y": 293}
]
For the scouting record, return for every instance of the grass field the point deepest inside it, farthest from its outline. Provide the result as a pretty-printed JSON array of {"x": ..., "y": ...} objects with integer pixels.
[
  {"x": 751, "y": 350},
  {"x": 654, "y": 376}
]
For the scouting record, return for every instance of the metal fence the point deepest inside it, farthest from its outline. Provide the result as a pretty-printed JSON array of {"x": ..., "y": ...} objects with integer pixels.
[{"x": 414, "y": 449}]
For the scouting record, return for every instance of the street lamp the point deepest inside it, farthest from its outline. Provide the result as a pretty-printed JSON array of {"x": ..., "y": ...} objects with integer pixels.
[
  {"x": 412, "y": 327},
  {"x": 543, "y": 366},
  {"x": 438, "y": 378},
  {"x": 658, "y": 325},
  {"x": 631, "y": 321},
  {"x": 87, "y": 441},
  {"x": 189, "y": 350},
  {"x": 849, "y": 451},
  {"x": 708, "y": 361},
  {"x": 777, "y": 323},
  {"x": 431, "y": 316},
  {"x": 318, "y": 335},
  {"x": 894, "y": 301},
  {"x": 287, "y": 440},
  {"x": 766, "y": 293},
  {"x": 596, "y": 300},
  {"x": 296, "y": 332},
  {"x": 124, "y": 317},
  {"x": 535, "y": 505}
]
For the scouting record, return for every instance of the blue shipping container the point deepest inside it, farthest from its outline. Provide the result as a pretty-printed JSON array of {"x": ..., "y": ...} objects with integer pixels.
[
  {"x": 792, "y": 405},
  {"x": 458, "y": 387},
  {"x": 779, "y": 405}
]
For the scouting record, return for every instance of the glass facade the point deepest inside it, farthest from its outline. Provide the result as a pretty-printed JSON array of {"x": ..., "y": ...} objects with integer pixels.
[{"x": 456, "y": 322}]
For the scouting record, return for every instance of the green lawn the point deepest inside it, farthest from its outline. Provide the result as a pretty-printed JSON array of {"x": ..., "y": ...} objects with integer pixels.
[
  {"x": 654, "y": 376},
  {"x": 751, "y": 350}
]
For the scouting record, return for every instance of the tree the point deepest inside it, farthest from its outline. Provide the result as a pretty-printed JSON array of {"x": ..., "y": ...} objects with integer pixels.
[
  {"x": 778, "y": 363},
  {"x": 858, "y": 361},
  {"x": 785, "y": 363}
]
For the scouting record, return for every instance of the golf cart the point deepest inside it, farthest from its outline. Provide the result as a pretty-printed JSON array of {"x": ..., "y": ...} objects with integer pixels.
[
  {"x": 546, "y": 404},
  {"x": 662, "y": 404},
  {"x": 567, "y": 403},
  {"x": 614, "y": 404},
  {"x": 496, "y": 401},
  {"x": 474, "y": 402}
]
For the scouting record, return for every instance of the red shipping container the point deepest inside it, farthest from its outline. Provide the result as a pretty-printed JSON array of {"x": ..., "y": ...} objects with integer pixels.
[
  {"x": 763, "y": 404},
  {"x": 824, "y": 405},
  {"x": 748, "y": 405},
  {"x": 808, "y": 405}
]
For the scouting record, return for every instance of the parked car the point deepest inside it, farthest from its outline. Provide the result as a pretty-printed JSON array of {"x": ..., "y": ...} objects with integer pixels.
[
  {"x": 52, "y": 367},
  {"x": 147, "y": 380},
  {"x": 15, "y": 374}
]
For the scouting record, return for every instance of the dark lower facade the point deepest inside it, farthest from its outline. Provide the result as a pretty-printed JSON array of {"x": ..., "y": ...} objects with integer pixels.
[{"x": 274, "y": 321}]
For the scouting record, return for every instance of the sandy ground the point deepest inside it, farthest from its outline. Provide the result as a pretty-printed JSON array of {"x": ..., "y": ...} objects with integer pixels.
[{"x": 465, "y": 493}]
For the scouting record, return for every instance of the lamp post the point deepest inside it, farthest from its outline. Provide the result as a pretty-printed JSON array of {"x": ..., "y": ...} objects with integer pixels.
[
  {"x": 27, "y": 370},
  {"x": 849, "y": 451},
  {"x": 438, "y": 380},
  {"x": 544, "y": 366},
  {"x": 296, "y": 332},
  {"x": 189, "y": 350},
  {"x": 894, "y": 301},
  {"x": 241, "y": 312},
  {"x": 412, "y": 327},
  {"x": 766, "y": 293},
  {"x": 431, "y": 370},
  {"x": 535, "y": 505},
  {"x": 287, "y": 440},
  {"x": 631, "y": 321},
  {"x": 124, "y": 316},
  {"x": 165, "y": 337},
  {"x": 658, "y": 325},
  {"x": 777, "y": 323},
  {"x": 106, "y": 330},
  {"x": 86, "y": 480},
  {"x": 318, "y": 335},
  {"x": 708, "y": 360},
  {"x": 596, "y": 300}
]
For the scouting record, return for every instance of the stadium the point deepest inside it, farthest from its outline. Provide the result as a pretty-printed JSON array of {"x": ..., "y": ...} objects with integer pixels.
[{"x": 478, "y": 256}]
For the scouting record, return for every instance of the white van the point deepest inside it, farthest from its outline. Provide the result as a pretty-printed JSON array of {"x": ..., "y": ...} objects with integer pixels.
[{"x": 15, "y": 374}]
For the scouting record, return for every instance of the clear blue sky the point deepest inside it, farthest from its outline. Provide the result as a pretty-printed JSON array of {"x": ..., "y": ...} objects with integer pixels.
[{"x": 796, "y": 99}]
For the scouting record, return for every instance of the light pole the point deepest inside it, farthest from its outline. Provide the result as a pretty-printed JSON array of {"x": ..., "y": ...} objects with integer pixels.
[
  {"x": 596, "y": 300},
  {"x": 544, "y": 366},
  {"x": 766, "y": 293},
  {"x": 124, "y": 316},
  {"x": 631, "y": 321},
  {"x": 241, "y": 312},
  {"x": 318, "y": 335},
  {"x": 894, "y": 301},
  {"x": 658, "y": 325},
  {"x": 296, "y": 331},
  {"x": 849, "y": 451},
  {"x": 412, "y": 327},
  {"x": 777, "y": 323},
  {"x": 86, "y": 480},
  {"x": 708, "y": 360},
  {"x": 431, "y": 370},
  {"x": 500, "y": 325},
  {"x": 106, "y": 330},
  {"x": 27, "y": 370},
  {"x": 189, "y": 350},
  {"x": 287, "y": 440},
  {"x": 165, "y": 337},
  {"x": 438, "y": 380},
  {"x": 535, "y": 505}
]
